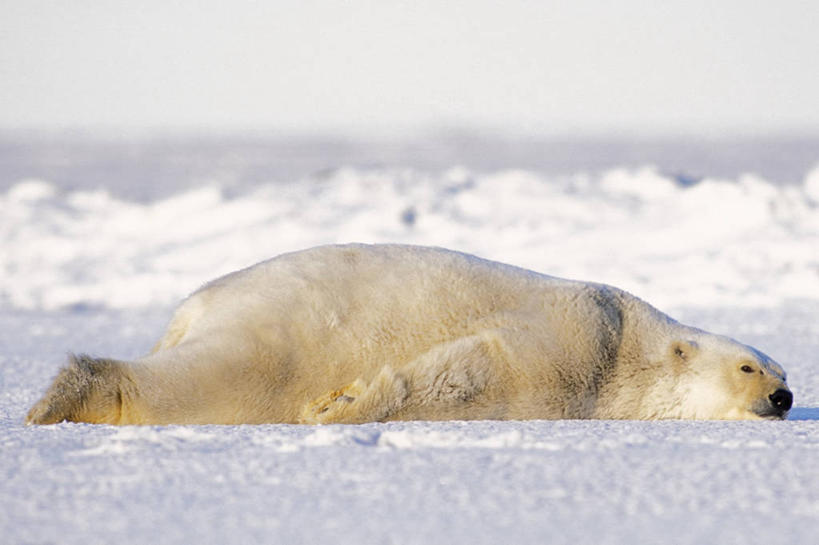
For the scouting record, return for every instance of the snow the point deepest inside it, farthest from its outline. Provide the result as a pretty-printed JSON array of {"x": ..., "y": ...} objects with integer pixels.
[
  {"x": 94, "y": 270},
  {"x": 561, "y": 482},
  {"x": 715, "y": 242}
]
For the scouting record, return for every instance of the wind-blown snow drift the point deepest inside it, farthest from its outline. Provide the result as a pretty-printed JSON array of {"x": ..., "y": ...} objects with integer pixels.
[{"x": 715, "y": 242}]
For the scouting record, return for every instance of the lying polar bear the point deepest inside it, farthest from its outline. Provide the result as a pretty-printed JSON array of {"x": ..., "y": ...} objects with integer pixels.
[{"x": 371, "y": 333}]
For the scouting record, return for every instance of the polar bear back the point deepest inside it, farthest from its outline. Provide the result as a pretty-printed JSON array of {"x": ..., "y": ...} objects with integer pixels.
[{"x": 383, "y": 290}]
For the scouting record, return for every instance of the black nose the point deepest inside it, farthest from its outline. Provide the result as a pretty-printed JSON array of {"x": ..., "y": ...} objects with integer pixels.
[{"x": 782, "y": 400}]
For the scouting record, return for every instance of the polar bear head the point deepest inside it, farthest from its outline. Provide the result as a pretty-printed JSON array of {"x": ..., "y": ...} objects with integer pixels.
[{"x": 723, "y": 379}]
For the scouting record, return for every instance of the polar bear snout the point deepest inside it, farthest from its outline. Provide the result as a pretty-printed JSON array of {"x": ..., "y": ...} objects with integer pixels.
[
  {"x": 777, "y": 405},
  {"x": 782, "y": 400}
]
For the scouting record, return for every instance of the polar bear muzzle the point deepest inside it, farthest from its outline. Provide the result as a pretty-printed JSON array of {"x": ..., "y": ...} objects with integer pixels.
[{"x": 781, "y": 402}]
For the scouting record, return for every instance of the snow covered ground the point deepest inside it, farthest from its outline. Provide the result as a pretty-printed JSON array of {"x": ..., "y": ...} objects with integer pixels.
[{"x": 97, "y": 270}]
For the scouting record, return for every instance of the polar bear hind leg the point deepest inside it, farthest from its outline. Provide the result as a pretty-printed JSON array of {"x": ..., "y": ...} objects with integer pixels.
[{"x": 86, "y": 390}]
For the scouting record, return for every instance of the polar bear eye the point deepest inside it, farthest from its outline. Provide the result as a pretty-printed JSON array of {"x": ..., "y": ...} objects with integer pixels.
[{"x": 746, "y": 369}]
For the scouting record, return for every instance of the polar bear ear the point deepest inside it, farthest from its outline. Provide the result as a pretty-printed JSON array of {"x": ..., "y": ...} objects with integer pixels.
[{"x": 683, "y": 350}]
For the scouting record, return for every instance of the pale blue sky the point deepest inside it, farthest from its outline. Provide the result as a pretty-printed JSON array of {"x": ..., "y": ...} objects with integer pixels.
[{"x": 384, "y": 66}]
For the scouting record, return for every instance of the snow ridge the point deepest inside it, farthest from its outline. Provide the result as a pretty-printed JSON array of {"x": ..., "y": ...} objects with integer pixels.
[{"x": 672, "y": 242}]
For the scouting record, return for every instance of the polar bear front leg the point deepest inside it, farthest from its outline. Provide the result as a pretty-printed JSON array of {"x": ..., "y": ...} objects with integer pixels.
[
  {"x": 359, "y": 402},
  {"x": 448, "y": 374}
]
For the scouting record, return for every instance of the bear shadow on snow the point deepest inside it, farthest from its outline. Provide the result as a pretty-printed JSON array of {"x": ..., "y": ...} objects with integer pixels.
[{"x": 804, "y": 413}]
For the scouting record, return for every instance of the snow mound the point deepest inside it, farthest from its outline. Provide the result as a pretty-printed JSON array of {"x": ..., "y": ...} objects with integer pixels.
[{"x": 672, "y": 242}]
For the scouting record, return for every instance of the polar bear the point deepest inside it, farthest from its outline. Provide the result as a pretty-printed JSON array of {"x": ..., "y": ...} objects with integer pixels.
[{"x": 358, "y": 333}]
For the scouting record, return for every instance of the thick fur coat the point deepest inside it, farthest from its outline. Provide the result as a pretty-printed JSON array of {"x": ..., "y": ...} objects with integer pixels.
[{"x": 362, "y": 333}]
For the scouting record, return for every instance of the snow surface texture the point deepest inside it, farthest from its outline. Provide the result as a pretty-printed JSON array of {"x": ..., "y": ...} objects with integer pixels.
[
  {"x": 450, "y": 482},
  {"x": 91, "y": 271}
]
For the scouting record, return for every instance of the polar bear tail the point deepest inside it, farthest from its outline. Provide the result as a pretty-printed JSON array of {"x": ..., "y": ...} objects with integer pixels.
[{"x": 85, "y": 390}]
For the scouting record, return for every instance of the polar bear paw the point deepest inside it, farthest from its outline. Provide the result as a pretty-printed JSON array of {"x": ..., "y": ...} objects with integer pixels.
[
  {"x": 359, "y": 402},
  {"x": 327, "y": 408}
]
